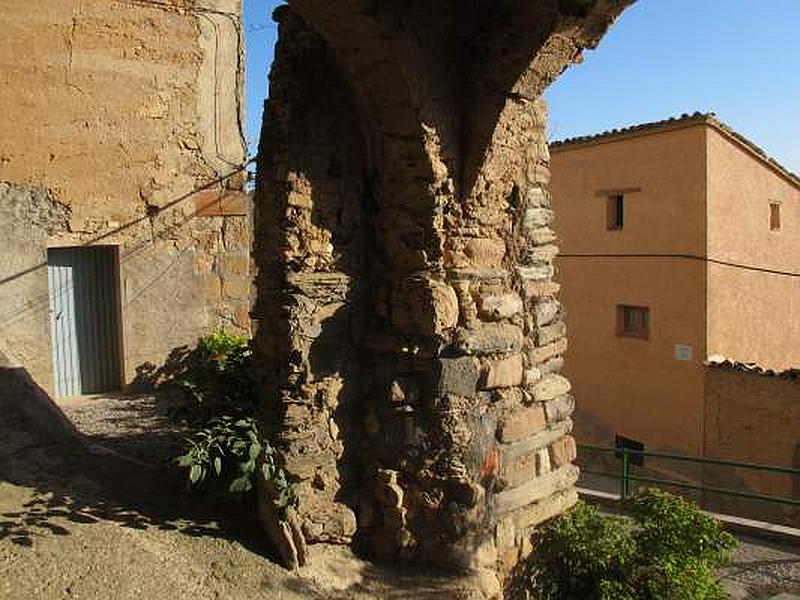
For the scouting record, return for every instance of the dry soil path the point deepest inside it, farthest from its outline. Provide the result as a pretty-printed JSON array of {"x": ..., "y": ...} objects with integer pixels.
[{"x": 92, "y": 514}]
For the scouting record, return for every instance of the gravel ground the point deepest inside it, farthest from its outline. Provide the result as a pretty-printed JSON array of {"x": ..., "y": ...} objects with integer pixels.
[
  {"x": 763, "y": 570},
  {"x": 114, "y": 523}
]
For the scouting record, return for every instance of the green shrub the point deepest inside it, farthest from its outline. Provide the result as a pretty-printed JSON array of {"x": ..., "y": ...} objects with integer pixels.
[
  {"x": 227, "y": 451},
  {"x": 667, "y": 549},
  {"x": 220, "y": 346},
  {"x": 215, "y": 379}
]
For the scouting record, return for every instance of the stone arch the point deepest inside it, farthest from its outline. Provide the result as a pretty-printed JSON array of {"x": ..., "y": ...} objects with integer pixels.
[{"x": 409, "y": 334}]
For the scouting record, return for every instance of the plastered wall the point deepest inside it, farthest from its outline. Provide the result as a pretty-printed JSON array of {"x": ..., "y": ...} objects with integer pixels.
[
  {"x": 753, "y": 316},
  {"x": 624, "y": 385},
  {"x": 113, "y": 115}
]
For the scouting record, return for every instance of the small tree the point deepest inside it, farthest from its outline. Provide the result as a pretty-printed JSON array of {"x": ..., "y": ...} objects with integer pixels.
[{"x": 667, "y": 549}]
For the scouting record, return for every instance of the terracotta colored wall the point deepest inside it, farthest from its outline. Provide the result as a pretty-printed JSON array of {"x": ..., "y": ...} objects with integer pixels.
[
  {"x": 753, "y": 418},
  {"x": 753, "y": 316},
  {"x": 623, "y": 385},
  {"x": 112, "y": 113}
]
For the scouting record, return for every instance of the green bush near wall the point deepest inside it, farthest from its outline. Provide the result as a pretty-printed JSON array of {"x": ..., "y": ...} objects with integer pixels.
[
  {"x": 666, "y": 549},
  {"x": 227, "y": 450}
]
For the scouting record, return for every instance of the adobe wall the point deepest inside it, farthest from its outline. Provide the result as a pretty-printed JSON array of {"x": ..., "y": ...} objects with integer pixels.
[
  {"x": 662, "y": 177},
  {"x": 753, "y": 417},
  {"x": 741, "y": 187},
  {"x": 409, "y": 335},
  {"x": 112, "y": 114}
]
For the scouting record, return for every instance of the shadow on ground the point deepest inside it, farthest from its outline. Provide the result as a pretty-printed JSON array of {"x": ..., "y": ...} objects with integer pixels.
[
  {"x": 89, "y": 490},
  {"x": 112, "y": 466}
]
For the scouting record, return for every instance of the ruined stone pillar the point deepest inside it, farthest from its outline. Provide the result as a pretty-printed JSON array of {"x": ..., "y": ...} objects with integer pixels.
[{"x": 409, "y": 337}]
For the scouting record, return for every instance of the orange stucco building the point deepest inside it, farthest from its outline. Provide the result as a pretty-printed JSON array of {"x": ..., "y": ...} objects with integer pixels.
[{"x": 680, "y": 240}]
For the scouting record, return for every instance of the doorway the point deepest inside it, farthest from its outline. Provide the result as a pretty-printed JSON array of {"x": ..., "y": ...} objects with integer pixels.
[{"x": 85, "y": 329}]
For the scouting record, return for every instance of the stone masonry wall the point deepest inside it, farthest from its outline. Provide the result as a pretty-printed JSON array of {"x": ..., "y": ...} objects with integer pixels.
[
  {"x": 409, "y": 336},
  {"x": 113, "y": 115}
]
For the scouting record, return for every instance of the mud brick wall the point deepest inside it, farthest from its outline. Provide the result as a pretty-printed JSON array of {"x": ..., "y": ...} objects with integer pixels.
[
  {"x": 409, "y": 335},
  {"x": 752, "y": 415},
  {"x": 113, "y": 114}
]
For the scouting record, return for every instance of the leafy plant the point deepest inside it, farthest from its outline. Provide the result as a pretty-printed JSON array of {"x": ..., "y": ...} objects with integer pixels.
[
  {"x": 228, "y": 450},
  {"x": 667, "y": 549},
  {"x": 222, "y": 346},
  {"x": 215, "y": 379}
]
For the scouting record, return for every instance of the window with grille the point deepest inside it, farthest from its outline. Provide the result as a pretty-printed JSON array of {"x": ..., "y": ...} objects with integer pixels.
[{"x": 633, "y": 321}]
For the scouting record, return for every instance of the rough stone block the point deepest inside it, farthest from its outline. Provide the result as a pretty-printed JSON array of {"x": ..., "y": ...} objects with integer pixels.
[
  {"x": 537, "y": 217},
  {"x": 541, "y": 235},
  {"x": 505, "y": 534},
  {"x": 539, "y": 172},
  {"x": 545, "y": 352},
  {"x": 546, "y": 312},
  {"x": 536, "y": 489},
  {"x": 458, "y": 376},
  {"x": 531, "y": 376},
  {"x": 236, "y": 288},
  {"x": 545, "y": 509},
  {"x": 236, "y": 234},
  {"x": 490, "y": 338},
  {"x": 501, "y": 306},
  {"x": 212, "y": 288},
  {"x": 550, "y": 333},
  {"x": 539, "y": 289},
  {"x": 521, "y": 423},
  {"x": 541, "y": 254},
  {"x": 563, "y": 451},
  {"x": 217, "y": 203},
  {"x": 549, "y": 387},
  {"x": 235, "y": 264},
  {"x": 515, "y": 450},
  {"x": 542, "y": 460},
  {"x": 553, "y": 365},
  {"x": 505, "y": 372},
  {"x": 241, "y": 316},
  {"x": 536, "y": 273},
  {"x": 538, "y": 197},
  {"x": 421, "y": 305},
  {"x": 519, "y": 472},
  {"x": 485, "y": 252},
  {"x": 559, "y": 408}
]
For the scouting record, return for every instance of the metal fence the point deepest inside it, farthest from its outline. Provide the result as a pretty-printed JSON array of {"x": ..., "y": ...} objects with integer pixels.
[{"x": 626, "y": 475}]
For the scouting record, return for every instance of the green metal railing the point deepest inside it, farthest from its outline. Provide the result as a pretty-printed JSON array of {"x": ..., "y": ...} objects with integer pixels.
[{"x": 626, "y": 475}]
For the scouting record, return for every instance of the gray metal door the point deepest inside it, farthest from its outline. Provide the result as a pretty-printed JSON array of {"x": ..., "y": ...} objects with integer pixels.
[{"x": 84, "y": 323}]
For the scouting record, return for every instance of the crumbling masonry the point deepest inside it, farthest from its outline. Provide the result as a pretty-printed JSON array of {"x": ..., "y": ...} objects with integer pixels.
[{"x": 408, "y": 332}]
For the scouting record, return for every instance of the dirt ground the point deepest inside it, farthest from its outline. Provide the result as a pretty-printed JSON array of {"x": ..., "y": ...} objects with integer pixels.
[{"x": 111, "y": 522}]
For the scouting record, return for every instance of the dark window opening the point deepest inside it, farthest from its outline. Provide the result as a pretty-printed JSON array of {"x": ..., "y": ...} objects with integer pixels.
[
  {"x": 633, "y": 321},
  {"x": 615, "y": 212},
  {"x": 774, "y": 216}
]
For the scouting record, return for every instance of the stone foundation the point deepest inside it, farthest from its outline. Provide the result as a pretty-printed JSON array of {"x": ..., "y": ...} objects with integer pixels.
[{"x": 409, "y": 334}]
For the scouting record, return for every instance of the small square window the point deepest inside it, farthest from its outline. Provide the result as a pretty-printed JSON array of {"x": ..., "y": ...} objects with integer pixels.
[
  {"x": 633, "y": 321},
  {"x": 615, "y": 212},
  {"x": 774, "y": 216}
]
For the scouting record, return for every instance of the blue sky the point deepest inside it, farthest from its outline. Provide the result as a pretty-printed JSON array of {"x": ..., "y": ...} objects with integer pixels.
[{"x": 737, "y": 58}]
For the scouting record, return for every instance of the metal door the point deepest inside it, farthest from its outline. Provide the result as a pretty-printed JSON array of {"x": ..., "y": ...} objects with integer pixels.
[{"x": 84, "y": 323}]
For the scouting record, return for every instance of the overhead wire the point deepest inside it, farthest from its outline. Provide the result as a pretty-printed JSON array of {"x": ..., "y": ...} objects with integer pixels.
[{"x": 689, "y": 257}]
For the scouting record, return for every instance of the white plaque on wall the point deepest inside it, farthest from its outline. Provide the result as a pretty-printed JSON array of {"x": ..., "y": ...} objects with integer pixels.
[{"x": 683, "y": 352}]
